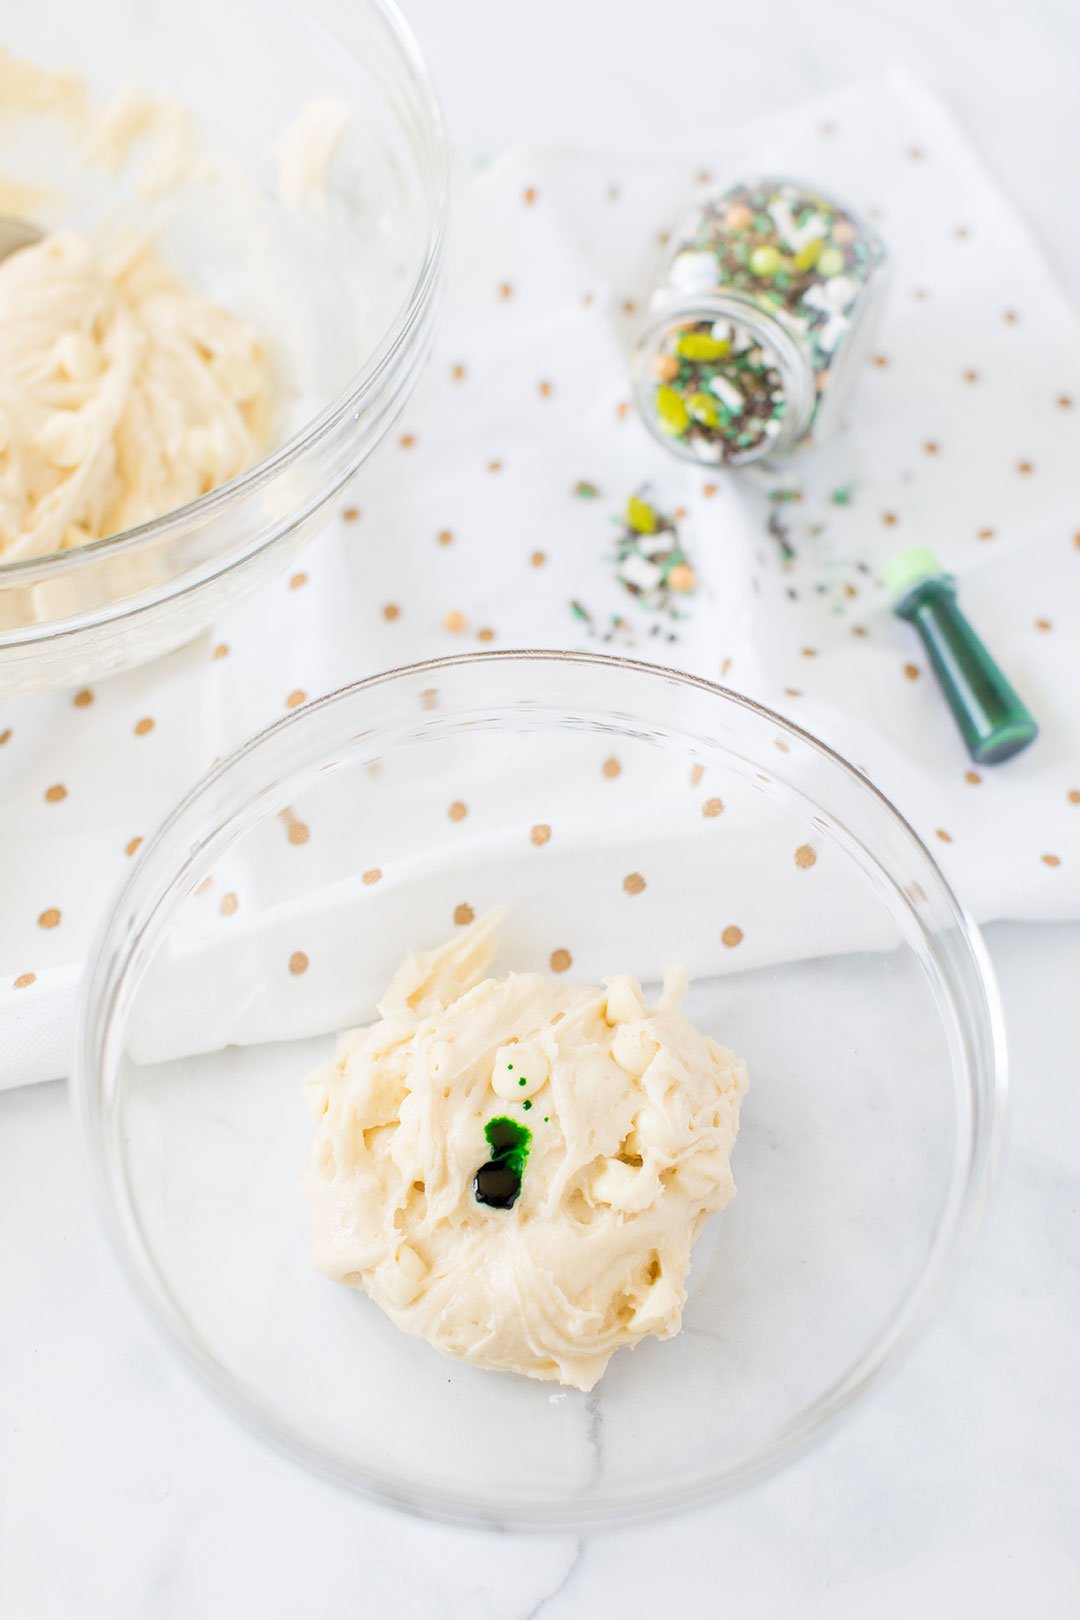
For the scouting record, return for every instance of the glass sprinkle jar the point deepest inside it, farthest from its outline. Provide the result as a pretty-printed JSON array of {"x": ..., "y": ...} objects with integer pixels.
[{"x": 760, "y": 317}]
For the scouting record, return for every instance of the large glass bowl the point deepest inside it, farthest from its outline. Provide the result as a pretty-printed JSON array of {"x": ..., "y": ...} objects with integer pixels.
[
  {"x": 345, "y": 293},
  {"x": 825, "y": 947}
]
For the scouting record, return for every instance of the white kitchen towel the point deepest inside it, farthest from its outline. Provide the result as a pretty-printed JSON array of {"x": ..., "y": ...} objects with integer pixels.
[{"x": 488, "y": 520}]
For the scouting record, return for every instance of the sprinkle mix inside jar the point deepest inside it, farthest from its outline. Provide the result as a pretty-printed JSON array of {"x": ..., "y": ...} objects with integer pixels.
[{"x": 753, "y": 340}]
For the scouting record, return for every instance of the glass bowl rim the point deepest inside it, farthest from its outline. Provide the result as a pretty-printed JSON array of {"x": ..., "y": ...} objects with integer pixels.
[
  {"x": 974, "y": 1165},
  {"x": 349, "y": 399}
]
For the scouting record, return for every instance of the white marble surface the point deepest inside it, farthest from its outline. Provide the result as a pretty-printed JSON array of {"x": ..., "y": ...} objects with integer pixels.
[{"x": 956, "y": 1487}]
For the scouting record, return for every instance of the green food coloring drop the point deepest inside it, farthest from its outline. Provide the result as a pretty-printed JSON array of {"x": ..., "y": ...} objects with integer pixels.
[{"x": 498, "y": 1183}]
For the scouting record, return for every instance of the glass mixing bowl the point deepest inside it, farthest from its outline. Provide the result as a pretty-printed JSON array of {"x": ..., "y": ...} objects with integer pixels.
[
  {"x": 345, "y": 294},
  {"x": 825, "y": 948}
]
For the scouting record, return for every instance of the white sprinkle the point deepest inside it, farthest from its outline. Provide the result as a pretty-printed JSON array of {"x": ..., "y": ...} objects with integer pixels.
[
  {"x": 692, "y": 272},
  {"x": 638, "y": 571},
  {"x": 727, "y": 393}
]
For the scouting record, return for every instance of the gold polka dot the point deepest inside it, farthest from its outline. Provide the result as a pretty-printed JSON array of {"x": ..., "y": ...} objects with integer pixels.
[
  {"x": 538, "y": 559},
  {"x": 984, "y": 534},
  {"x": 429, "y": 697},
  {"x": 809, "y": 652},
  {"x": 495, "y": 466},
  {"x": 294, "y": 699},
  {"x": 629, "y": 307},
  {"x": 454, "y": 622},
  {"x": 732, "y": 936},
  {"x": 708, "y": 490},
  {"x": 298, "y": 963},
  {"x": 560, "y": 960},
  {"x": 828, "y": 129},
  {"x": 221, "y": 650},
  {"x": 912, "y": 671},
  {"x": 445, "y": 537},
  {"x": 725, "y": 666},
  {"x": 457, "y": 373},
  {"x": 946, "y": 838},
  {"x": 1064, "y": 402},
  {"x": 859, "y": 630},
  {"x": 206, "y": 883},
  {"x": 889, "y": 519},
  {"x": 919, "y": 294},
  {"x": 298, "y": 831},
  {"x": 229, "y": 903},
  {"x": 529, "y": 196},
  {"x": 962, "y": 233},
  {"x": 1010, "y": 317},
  {"x": 1074, "y": 795},
  {"x": 407, "y": 440},
  {"x": 25, "y": 980},
  {"x": 1076, "y": 543},
  {"x": 851, "y": 592},
  {"x": 49, "y": 918},
  {"x": 622, "y": 410},
  {"x": 611, "y": 768},
  {"x": 351, "y": 514},
  {"x": 915, "y": 153},
  {"x": 544, "y": 389},
  {"x": 614, "y": 192},
  {"x": 487, "y": 634},
  {"x": 586, "y": 300},
  {"x": 540, "y": 834},
  {"x": 298, "y": 581},
  {"x": 973, "y": 777},
  {"x": 1024, "y": 467},
  {"x": 703, "y": 177},
  {"x": 132, "y": 845},
  {"x": 805, "y": 856},
  {"x": 143, "y": 726},
  {"x": 458, "y": 811},
  {"x": 881, "y": 361},
  {"x": 793, "y": 691},
  {"x": 391, "y": 612},
  {"x": 1051, "y": 860},
  {"x": 54, "y": 794},
  {"x": 633, "y": 883},
  {"x": 696, "y": 774},
  {"x": 463, "y": 914},
  {"x": 931, "y": 447},
  {"x": 712, "y": 807},
  {"x": 781, "y": 745},
  {"x": 372, "y": 875},
  {"x": 1043, "y": 624},
  {"x": 971, "y": 376},
  {"x": 506, "y": 290},
  {"x": 83, "y": 699}
]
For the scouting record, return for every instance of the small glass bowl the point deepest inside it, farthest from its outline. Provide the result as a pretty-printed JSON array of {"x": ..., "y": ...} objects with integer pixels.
[
  {"x": 628, "y": 817},
  {"x": 346, "y": 292}
]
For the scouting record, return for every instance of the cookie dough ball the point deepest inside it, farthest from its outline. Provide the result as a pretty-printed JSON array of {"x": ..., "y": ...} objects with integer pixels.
[{"x": 602, "y": 1128}]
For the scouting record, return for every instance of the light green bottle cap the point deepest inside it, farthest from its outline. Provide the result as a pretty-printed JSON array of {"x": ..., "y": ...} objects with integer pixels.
[{"x": 910, "y": 568}]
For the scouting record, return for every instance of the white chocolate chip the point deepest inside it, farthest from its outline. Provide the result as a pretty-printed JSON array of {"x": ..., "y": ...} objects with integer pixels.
[
  {"x": 633, "y": 1048},
  {"x": 66, "y": 439},
  {"x": 407, "y": 1278},
  {"x": 624, "y": 1000},
  {"x": 519, "y": 1070},
  {"x": 614, "y": 1184}
]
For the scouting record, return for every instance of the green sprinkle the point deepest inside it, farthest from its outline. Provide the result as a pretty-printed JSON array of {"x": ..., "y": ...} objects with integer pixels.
[
  {"x": 843, "y": 495},
  {"x": 586, "y": 491},
  {"x": 701, "y": 346},
  {"x": 639, "y": 514},
  {"x": 673, "y": 414}
]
